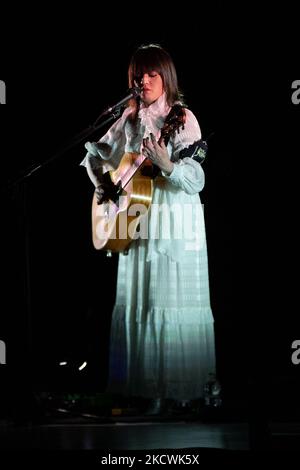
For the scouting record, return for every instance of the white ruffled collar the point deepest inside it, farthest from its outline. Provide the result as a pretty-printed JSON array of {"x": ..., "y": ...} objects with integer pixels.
[{"x": 157, "y": 110}]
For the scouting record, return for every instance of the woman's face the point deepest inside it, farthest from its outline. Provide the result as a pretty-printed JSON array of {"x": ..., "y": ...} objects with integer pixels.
[{"x": 152, "y": 85}]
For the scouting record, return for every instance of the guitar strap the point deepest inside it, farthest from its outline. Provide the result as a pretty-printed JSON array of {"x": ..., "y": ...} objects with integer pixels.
[
  {"x": 176, "y": 120},
  {"x": 197, "y": 151}
]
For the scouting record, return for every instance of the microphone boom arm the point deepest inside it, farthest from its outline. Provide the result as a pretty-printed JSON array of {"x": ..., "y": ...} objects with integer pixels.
[
  {"x": 111, "y": 113},
  {"x": 133, "y": 93}
]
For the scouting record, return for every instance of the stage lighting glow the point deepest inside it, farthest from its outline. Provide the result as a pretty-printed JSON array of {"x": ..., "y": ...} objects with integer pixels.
[{"x": 83, "y": 365}]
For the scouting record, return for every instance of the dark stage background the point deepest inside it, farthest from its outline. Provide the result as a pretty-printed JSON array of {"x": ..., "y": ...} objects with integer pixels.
[{"x": 58, "y": 292}]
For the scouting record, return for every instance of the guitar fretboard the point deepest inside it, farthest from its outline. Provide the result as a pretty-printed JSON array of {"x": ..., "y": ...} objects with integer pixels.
[{"x": 128, "y": 175}]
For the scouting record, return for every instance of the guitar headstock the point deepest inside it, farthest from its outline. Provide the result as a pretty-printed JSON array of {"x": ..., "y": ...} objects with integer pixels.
[{"x": 174, "y": 121}]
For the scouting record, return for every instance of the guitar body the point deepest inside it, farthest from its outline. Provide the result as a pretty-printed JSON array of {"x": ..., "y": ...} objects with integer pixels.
[{"x": 116, "y": 223}]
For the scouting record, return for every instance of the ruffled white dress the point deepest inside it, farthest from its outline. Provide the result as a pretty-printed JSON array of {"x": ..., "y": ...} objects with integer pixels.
[{"x": 162, "y": 332}]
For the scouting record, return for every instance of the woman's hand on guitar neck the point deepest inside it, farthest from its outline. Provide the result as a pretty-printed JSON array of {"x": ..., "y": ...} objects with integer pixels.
[{"x": 157, "y": 152}]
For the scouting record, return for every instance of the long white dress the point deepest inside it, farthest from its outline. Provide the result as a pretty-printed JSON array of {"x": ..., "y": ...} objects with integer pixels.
[{"x": 162, "y": 333}]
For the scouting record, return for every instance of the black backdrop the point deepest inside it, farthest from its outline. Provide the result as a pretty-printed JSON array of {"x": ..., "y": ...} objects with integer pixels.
[{"x": 57, "y": 290}]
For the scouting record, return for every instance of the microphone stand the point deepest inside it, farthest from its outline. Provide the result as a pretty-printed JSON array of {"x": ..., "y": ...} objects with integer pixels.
[
  {"x": 113, "y": 112},
  {"x": 68, "y": 146},
  {"x": 19, "y": 190}
]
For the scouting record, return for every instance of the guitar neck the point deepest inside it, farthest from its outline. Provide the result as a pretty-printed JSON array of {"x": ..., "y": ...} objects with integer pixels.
[{"x": 124, "y": 178}]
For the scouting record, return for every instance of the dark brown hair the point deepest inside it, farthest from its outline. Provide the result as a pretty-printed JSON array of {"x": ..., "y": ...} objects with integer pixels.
[{"x": 148, "y": 58}]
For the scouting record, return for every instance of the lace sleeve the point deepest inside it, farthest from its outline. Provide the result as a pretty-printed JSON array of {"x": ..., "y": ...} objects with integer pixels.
[{"x": 108, "y": 151}]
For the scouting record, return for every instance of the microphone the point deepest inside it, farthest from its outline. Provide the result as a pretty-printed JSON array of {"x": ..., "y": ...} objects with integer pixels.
[{"x": 133, "y": 92}]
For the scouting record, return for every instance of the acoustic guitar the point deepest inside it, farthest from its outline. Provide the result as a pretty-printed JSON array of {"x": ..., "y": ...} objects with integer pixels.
[{"x": 116, "y": 220}]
